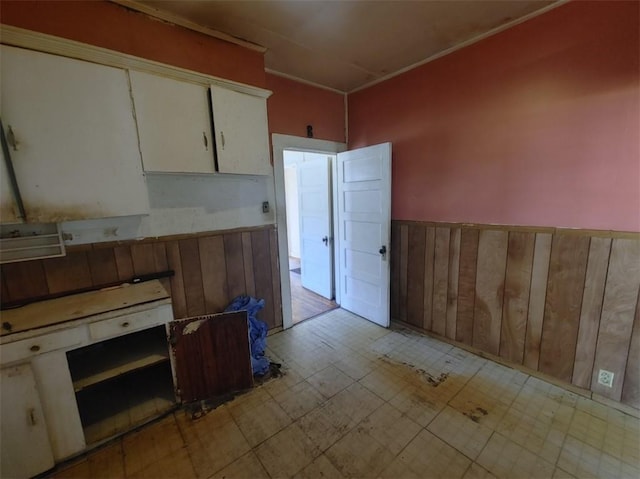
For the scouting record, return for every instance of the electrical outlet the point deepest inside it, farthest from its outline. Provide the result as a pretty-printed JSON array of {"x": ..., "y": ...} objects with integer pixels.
[{"x": 605, "y": 378}]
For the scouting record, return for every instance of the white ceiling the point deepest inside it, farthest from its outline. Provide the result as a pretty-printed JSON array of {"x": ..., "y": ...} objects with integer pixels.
[{"x": 344, "y": 44}]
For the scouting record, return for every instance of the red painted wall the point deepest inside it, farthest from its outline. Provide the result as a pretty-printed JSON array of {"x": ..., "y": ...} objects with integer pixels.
[
  {"x": 295, "y": 105},
  {"x": 538, "y": 125},
  {"x": 114, "y": 27}
]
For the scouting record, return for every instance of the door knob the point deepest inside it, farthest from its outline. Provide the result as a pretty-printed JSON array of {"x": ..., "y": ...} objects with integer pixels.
[
  {"x": 383, "y": 250},
  {"x": 325, "y": 240}
]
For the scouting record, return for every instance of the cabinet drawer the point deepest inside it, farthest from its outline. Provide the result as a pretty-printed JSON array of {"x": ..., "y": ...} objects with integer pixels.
[
  {"x": 130, "y": 322},
  {"x": 27, "y": 348}
]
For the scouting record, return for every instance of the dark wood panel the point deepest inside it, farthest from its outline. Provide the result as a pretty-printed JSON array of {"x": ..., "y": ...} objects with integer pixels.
[
  {"x": 214, "y": 278},
  {"x": 467, "y": 285},
  {"x": 68, "y": 273},
  {"x": 102, "y": 266},
  {"x": 567, "y": 268},
  {"x": 231, "y": 341},
  {"x": 415, "y": 275},
  {"x": 275, "y": 278},
  {"x": 618, "y": 310},
  {"x": 4, "y": 290},
  {"x": 429, "y": 258},
  {"x": 262, "y": 275},
  {"x": 395, "y": 269},
  {"x": 537, "y": 297},
  {"x": 144, "y": 258},
  {"x": 452, "y": 284},
  {"x": 631, "y": 388},
  {"x": 404, "y": 259},
  {"x": 247, "y": 258},
  {"x": 89, "y": 265},
  {"x": 161, "y": 262},
  {"x": 160, "y": 256},
  {"x": 492, "y": 261},
  {"x": 192, "y": 276},
  {"x": 235, "y": 264},
  {"x": 596, "y": 276},
  {"x": 440, "y": 280},
  {"x": 516, "y": 295},
  {"x": 24, "y": 280},
  {"x": 212, "y": 355},
  {"x": 178, "y": 297},
  {"x": 124, "y": 263}
]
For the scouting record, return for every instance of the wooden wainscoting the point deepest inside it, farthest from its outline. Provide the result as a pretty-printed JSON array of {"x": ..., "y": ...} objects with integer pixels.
[
  {"x": 210, "y": 270},
  {"x": 562, "y": 302}
]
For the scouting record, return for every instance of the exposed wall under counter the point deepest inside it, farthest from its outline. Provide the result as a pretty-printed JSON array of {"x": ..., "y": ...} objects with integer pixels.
[{"x": 210, "y": 270}]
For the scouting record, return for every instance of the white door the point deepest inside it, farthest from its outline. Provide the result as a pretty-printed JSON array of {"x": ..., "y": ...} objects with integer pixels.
[
  {"x": 364, "y": 226},
  {"x": 314, "y": 203}
]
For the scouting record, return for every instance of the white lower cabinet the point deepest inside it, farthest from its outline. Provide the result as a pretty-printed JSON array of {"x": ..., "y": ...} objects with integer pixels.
[
  {"x": 70, "y": 386},
  {"x": 26, "y": 449}
]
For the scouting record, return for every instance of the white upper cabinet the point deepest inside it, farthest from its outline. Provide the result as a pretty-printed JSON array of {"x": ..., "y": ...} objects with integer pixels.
[
  {"x": 74, "y": 145},
  {"x": 241, "y": 129},
  {"x": 174, "y": 124},
  {"x": 8, "y": 205}
]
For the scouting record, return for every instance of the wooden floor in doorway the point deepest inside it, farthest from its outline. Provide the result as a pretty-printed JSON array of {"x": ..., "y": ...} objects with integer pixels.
[{"x": 304, "y": 303}]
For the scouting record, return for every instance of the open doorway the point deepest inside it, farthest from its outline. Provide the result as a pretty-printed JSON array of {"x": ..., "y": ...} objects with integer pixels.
[
  {"x": 282, "y": 143},
  {"x": 309, "y": 215},
  {"x": 361, "y": 210}
]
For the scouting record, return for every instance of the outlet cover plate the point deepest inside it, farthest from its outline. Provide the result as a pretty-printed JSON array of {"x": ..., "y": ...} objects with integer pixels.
[{"x": 605, "y": 378}]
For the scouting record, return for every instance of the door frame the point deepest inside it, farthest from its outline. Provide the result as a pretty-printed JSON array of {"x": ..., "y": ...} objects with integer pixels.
[{"x": 280, "y": 143}]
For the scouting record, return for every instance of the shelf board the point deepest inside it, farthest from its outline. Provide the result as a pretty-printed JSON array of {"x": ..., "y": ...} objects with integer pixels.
[
  {"x": 107, "y": 363},
  {"x": 111, "y": 408}
]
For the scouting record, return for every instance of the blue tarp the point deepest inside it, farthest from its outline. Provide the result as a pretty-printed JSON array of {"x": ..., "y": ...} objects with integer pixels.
[{"x": 257, "y": 331}]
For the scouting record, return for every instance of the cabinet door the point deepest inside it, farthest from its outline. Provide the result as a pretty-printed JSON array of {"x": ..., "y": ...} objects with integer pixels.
[
  {"x": 242, "y": 132},
  {"x": 76, "y": 154},
  {"x": 26, "y": 450},
  {"x": 211, "y": 355},
  {"x": 174, "y": 124},
  {"x": 8, "y": 205}
]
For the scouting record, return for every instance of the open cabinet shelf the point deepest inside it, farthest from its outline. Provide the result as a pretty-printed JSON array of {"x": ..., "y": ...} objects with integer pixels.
[
  {"x": 122, "y": 382},
  {"x": 106, "y": 361},
  {"x": 113, "y": 407}
]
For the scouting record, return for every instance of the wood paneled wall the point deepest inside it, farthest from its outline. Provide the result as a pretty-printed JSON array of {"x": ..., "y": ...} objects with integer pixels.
[
  {"x": 562, "y": 302},
  {"x": 210, "y": 270}
]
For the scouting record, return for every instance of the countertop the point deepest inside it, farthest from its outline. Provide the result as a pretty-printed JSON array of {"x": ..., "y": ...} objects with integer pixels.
[{"x": 77, "y": 306}]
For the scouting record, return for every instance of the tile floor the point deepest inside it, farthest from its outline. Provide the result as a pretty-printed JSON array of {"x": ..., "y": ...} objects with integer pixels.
[{"x": 357, "y": 400}]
